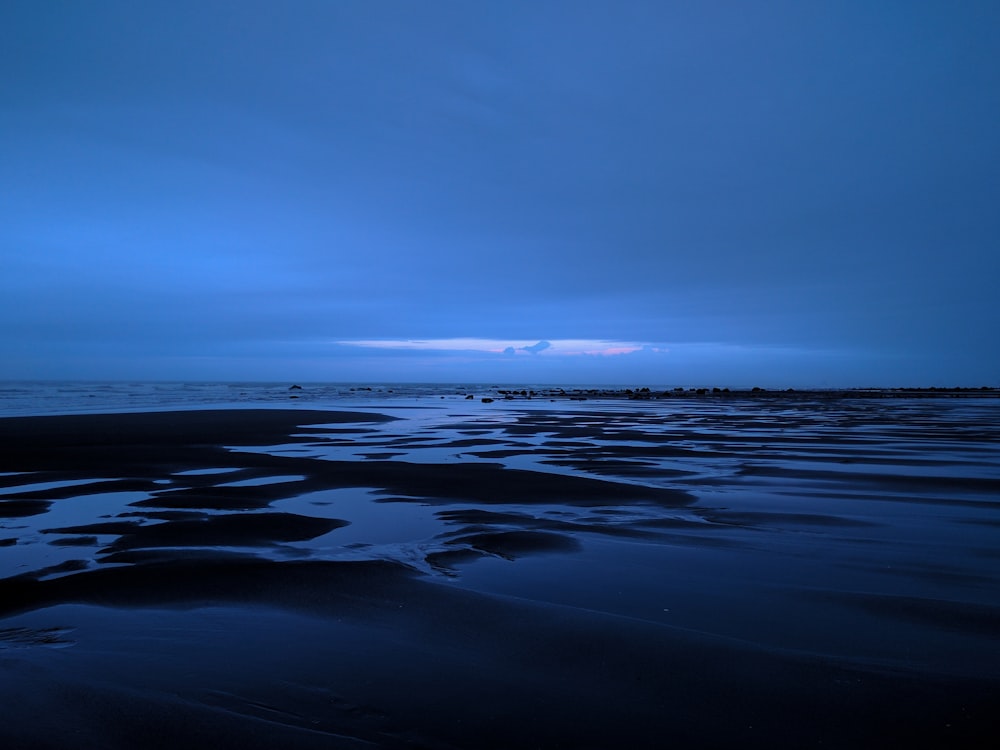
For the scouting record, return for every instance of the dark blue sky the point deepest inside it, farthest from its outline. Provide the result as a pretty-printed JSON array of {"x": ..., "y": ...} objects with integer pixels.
[{"x": 775, "y": 193}]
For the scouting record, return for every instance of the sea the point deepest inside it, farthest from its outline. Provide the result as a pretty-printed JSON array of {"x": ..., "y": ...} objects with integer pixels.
[
  {"x": 26, "y": 397},
  {"x": 38, "y": 397}
]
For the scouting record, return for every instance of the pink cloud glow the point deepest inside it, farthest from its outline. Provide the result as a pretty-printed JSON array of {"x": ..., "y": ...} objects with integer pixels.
[{"x": 524, "y": 348}]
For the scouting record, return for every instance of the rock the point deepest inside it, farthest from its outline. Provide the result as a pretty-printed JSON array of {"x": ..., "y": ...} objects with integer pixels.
[{"x": 487, "y": 401}]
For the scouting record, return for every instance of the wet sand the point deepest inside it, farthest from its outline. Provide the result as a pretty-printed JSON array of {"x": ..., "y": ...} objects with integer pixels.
[{"x": 698, "y": 575}]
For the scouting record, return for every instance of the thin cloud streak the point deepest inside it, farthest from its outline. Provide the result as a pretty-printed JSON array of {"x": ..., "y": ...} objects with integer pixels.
[{"x": 553, "y": 347}]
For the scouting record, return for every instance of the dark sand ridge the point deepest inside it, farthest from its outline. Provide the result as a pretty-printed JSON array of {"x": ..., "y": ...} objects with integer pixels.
[
  {"x": 144, "y": 448},
  {"x": 370, "y": 654},
  {"x": 153, "y": 445}
]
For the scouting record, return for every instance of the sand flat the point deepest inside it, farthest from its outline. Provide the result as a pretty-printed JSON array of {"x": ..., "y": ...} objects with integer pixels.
[{"x": 633, "y": 575}]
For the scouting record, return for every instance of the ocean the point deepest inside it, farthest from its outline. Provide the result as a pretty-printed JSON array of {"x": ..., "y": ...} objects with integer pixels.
[{"x": 25, "y": 397}]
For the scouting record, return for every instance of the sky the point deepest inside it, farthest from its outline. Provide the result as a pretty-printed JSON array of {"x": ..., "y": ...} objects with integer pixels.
[{"x": 529, "y": 191}]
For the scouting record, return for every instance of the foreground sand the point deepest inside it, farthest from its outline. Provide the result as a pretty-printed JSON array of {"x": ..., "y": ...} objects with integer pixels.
[{"x": 698, "y": 577}]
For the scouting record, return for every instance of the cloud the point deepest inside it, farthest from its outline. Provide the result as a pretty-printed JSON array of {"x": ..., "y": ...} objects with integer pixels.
[
  {"x": 541, "y": 346},
  {"x": 555, "y": 348},
  {"x": 430, "y": 345}
]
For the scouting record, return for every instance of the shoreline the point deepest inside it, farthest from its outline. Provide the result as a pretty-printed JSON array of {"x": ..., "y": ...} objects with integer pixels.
[{"x": 552, "y": 578}]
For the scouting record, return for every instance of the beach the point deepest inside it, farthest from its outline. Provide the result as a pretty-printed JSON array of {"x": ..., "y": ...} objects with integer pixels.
[{"x": 695, "y": 573}]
